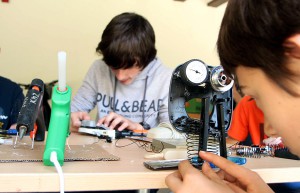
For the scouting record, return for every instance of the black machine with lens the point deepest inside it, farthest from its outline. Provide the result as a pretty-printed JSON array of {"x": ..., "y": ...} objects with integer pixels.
[{"x": 213, "y": 89}]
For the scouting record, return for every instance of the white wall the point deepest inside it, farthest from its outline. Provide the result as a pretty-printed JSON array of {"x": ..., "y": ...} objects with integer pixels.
[{"x": 33, "y": 31}]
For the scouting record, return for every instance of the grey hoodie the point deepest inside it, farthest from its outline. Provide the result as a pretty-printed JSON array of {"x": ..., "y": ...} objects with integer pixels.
[{"x": 98, "y": 89}]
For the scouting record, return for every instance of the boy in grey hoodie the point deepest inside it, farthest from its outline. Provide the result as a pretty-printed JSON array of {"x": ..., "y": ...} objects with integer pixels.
[{"x": 130, "y": 86}]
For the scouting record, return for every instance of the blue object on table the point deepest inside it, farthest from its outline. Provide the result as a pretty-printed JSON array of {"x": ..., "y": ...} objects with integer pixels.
[
  {"x": 237, "y": 160},
  {"x": 12, "y": 132}
]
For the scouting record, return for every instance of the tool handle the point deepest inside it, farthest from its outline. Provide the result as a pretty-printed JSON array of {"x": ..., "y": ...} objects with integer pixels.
[
  {"x": 59, "y": 125},
  {"x": 30, "y": 107}
]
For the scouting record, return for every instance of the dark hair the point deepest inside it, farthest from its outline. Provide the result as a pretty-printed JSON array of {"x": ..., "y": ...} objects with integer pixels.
[
  {"x": 127, "y": 39},
  {"x": 252, "y": 34}
]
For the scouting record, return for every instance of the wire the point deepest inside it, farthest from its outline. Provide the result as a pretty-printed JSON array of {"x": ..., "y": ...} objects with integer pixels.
[
  {"x": 143, "y": 145},
  {"x": 68, "y": 143},
  {"x": 54, "y": 160}
]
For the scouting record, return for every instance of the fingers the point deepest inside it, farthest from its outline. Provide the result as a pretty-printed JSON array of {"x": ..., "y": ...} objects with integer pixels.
[
  {"x": 218, "y": 178},
  {"x": 189, "y": 179},
  {"x": 235, "y": 188},
  {"x": 123, "y": 126},
  {"x": 233, "y": 172},
  {"x": 223, "y": 175},
  {"x": 77, "y": 117},
  {"x": 101, "y": 121},
  {"x": 223, "y": 164},
  {"x": 184, "y": 178},
  {"x": 185, "y": 167},
  {"x": 210, "y": 173},
  {"x": 119, "y": 123},
  {"x": 106, "y": 121},
  {"x": 116, "y": 121},
  {"x": 75, "y": 121},
  {"x": 174, "y": 181}
]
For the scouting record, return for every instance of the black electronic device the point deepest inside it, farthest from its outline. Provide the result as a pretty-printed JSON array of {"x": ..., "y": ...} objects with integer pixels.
[
  {"x": 90, "y": 127},
  {"x": 162, "y": 164},
  {"x": 196, "y": 80}
]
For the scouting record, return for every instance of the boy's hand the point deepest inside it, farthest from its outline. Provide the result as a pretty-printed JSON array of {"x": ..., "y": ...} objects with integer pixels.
[{"x": 76, "y": 118}]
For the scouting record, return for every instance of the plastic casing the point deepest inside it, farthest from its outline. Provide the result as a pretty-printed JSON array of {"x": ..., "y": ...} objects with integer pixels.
[{"x": 59, "y": 125}]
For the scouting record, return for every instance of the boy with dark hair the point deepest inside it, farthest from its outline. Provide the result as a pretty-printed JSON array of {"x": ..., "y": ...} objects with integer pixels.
[
  {"x": 258, "y": 43},
  {"x": 130, "y": 86}
]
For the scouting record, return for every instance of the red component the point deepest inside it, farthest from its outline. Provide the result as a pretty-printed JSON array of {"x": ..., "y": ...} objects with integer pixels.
[
  {"x": 33, "y": 132},
  {"x": 5, "y": 1}
]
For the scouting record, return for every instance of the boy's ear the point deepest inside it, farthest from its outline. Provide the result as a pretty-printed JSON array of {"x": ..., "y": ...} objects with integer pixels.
[{"x": 292, "y": 46}]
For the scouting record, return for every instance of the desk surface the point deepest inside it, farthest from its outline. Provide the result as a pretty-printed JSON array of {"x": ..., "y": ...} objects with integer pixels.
[{"x": 128, "y": 173}]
